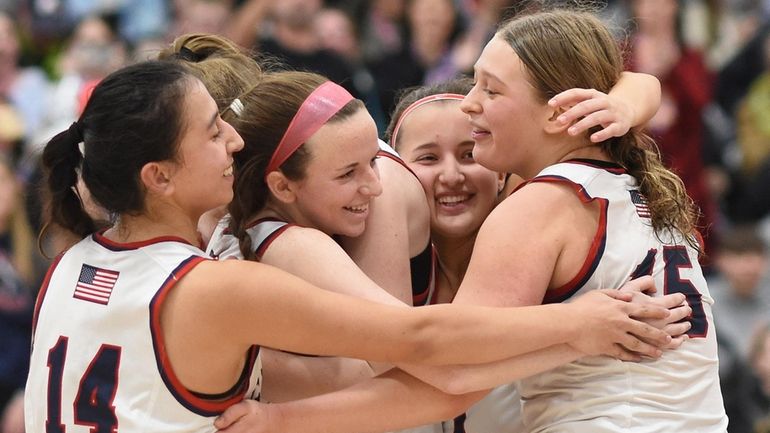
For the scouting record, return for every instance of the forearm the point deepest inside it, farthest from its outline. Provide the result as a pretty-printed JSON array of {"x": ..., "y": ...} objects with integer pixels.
[
  {"x": 460, "y": 379},
  {"x": 640, "y": 91},
  {"x": 384, "y": 403},
  {"x": 492, "y": 334},
  {"x": 291, "y": 377}
]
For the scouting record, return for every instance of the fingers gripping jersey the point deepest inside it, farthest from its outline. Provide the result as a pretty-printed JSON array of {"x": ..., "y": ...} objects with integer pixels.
[
  {"x": 98, "y": 359},
  {"x": 678, "y": 392}
]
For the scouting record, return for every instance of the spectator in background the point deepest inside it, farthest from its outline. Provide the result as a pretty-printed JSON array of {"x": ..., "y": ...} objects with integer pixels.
[
  {"x": 287, "y": 31},
  {"x": 742, "y": 302},
  {"x": 740, "y": 288},
  {"x": 748, "y": 197},
  {"x": 24, "y": 90},
  {"x": 17, "y": 277},
  {"x": 337, "y": 33},
  {"x": 383, "y": 28},
  {"x": 134, "y": 19},
  {"x": 93, "y": 51},
  {"x": 426, "y": 56},
  {"x": 206, "y": 16},
  {"x": 656, "y": 47}
]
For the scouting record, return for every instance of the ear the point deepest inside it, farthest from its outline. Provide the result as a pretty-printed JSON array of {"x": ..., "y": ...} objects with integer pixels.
[
  {"x": 281, "y": 187},
  {"x": 551, "y": 125},
  {"x": 156, "y": 177},
  {"x": 500, "y": 181}
]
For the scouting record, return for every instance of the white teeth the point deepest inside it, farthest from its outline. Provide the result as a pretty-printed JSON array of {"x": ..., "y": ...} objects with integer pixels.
[
  {"x": 453, "y": 199},
  {"x": 228, "y": 172},
  {"x": 362, "y": 208}
]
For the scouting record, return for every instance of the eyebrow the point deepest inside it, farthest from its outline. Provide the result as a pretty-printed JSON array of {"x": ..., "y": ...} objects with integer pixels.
[
  {"x": 488, "y": 75},
  {"x": 424, "y": 146},
  {"x": 213, "y": 120},
  {"x": 347, "y": 167}
]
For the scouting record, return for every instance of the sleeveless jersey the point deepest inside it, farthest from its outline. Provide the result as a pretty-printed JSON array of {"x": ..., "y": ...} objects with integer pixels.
[
  {"x": 498, "y": 412},
  {"x": 678, "y": 392},
  {"x": 98, "y": 356},
  {"x": 424, "y": 265},
  {"x": 223, "y": 245}
]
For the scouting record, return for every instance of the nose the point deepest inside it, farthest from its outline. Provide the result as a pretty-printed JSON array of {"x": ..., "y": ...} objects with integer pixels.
[
  {"x": 235, "y": 143},
  {"x": 470, "y": 104},
  {"x": 451, "y": 173},
  {"x": 371, "y": 185}
]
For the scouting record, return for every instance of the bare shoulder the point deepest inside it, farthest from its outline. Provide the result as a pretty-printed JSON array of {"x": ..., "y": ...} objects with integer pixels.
[
  {"x": 536, "y": 202},
  {"x": 402, "y": 186}
]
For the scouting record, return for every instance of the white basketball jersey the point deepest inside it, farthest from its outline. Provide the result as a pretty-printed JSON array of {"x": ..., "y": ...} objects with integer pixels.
[
  {"x": 98, "y": 358},
  {"x": 223, "y": 245},
  {"x": 678, "y": 392},
  {"x": 498, "y": 412}
]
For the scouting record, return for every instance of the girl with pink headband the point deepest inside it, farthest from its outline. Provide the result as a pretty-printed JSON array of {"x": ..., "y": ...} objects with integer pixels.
[{"x": 308, "y": 171}]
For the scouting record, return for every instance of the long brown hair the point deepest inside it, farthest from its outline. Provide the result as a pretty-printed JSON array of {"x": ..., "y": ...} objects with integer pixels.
[{"x": 563, "y": 49}]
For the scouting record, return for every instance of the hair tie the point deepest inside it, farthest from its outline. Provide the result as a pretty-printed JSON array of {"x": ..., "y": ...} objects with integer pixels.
[
  {"x": 189, "y": 55},
  {"x": 237, "y": 107},
  {"x": 323, "y": 103},
  {"x": 75, "y": 132},
  {"x": 419, "y": 103}
]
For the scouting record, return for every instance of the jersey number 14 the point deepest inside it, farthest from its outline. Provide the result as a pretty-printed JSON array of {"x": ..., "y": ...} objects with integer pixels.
[{"x": 93, "y": 405}]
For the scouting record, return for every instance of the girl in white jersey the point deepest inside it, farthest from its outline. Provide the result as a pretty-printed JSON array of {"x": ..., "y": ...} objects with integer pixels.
[
  {"x": 590, "y": 214},
  {"x": 136, "y": 330}
]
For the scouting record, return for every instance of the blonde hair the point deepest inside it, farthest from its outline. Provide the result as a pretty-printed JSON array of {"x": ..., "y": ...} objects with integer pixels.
[
  {"x": 563, "y": 49},
  {"x": 224, "y": 68}
]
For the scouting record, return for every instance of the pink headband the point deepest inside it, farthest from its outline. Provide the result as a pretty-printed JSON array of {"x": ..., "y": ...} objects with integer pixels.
[
  {"x": 315, "y": 111},
  {"x": 417, "y": 104}
]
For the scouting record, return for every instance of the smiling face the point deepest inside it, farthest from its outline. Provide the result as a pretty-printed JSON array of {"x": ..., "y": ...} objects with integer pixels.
[
  {"x": 203, "y": 175},
  {"x": 341, "y": 177},
  {"x": 507, "y": 116},
  {"x": 460, "y": 192}
]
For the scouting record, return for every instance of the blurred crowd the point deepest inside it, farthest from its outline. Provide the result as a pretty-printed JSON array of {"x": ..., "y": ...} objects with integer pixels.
[{"x": 713, "y": 127}]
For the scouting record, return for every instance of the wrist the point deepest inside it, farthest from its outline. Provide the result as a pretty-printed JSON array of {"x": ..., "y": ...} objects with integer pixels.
[
  {"x": 278, "y": 419},
  {"x": 570, "y": 321}
]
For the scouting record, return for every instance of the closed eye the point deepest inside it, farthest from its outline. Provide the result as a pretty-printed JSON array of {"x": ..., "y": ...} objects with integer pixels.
[{"x": 426, "y": 158}]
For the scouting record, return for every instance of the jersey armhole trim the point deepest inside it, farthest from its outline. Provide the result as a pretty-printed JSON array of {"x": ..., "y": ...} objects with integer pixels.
[
  {"x": 186, "y": 398},
  {"x": 596, "y": 249}
]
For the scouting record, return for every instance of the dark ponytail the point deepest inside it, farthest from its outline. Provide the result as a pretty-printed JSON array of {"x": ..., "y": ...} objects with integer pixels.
[{"x": 62, "y": 159}]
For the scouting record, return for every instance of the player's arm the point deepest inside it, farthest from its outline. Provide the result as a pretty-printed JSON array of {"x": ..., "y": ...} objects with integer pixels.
[
  {"x": 287, "y": 376},
  {"x": 384, "y": 403},
  {"x": 316, "y": 258},
  {"x": 236, "y": 304},
  {"x": 383, "y": 250}
]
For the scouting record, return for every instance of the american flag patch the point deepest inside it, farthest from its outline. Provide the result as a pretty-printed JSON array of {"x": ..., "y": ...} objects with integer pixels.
[
  {"x": 640, "y": 203},
  {"x": 95, "y": 284}
]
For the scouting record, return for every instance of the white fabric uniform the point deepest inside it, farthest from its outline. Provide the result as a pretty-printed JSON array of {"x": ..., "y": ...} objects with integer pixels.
[
  {"x": 498, "y": 412},
  {"x": 223, "y": 245},
  {"x": 678, "y": 392},
  {"x": 98, "y": 357}
]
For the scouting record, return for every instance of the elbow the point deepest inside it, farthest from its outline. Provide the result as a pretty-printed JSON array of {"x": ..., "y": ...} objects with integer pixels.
[
  {"x": 455, "y": 405},
  {"x": 457, "y": 384},
  {"x": 450, "y": 381}
]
